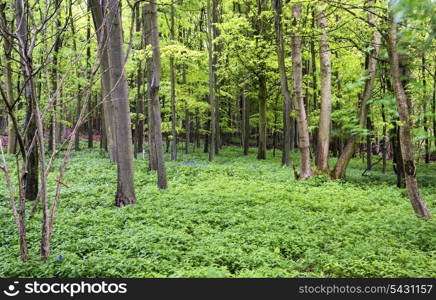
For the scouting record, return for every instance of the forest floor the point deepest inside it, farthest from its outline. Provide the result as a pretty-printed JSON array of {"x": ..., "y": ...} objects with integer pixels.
[{"x": 236, "y": 217}]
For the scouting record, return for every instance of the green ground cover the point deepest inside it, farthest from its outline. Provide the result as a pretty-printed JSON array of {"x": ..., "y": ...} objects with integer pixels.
[{"x": 236, "y": 217}]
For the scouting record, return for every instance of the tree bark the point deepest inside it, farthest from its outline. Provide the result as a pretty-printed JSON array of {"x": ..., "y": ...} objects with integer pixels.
[
  {"x": 173, "y": 93},
  {"x": 139, "y": 126},
  {"x": 326, "y": 95},
  {"x": 26, "y": 62},
  {"x": 154, "y": 74},
  {"x": 277, "y": 6},
  {"x": 262, "y": 94},
  {"x": 212, "y": 99},
  {"x": 297, "y": 74},
  {"x": 245, "y": 122},
  {"x": 102, "y": 28},
  {"x": 125, "y": 188},
  {"x": 415, "y": 197},
  {"x": 7, "y": 46}
]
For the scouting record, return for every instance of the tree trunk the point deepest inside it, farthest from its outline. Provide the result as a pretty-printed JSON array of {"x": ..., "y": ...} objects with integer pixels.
[
  {"x": 154, "y": 74},
  {"x": 261, "y": 152},
  {"x": 90, "y": 107},
  {"x": 216, "y": 49},
  {"x": 368, "y": 145},
  {"x": 415, "y": 197},
  {"x": 212, "y": 104},
  {"x": 277, "y": 5},
  {"x": 101, "y": 28},
  {"x": 173, "y": 93},
  {"x": 350, "y": 147},
  {"x": 425, "y": 121},
  {"x": 31, "y": 179},
  {"x": 188, "y": 130},
  {"x": 297, "y": 74},
  {"x": 125, "y": 188},
  {"x": 139, "y": 126},
  {"x": 326, "y": 95},
  {"x": 245, "y": 122}
]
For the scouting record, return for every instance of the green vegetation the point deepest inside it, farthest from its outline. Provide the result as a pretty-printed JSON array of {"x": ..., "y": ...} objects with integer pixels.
[{"x": 235, "y": 217}]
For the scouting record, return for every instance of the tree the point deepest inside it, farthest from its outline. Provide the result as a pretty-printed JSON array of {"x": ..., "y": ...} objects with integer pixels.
[
  {"x": 7, "y": 46},
  {"x": 154, "y": 74},
  {"x": 372, "y": 60},
  {"x": 102, "y": 32},
  {"x": 277, "y": 5},
  {"x": 125, "y": 194},
  {"x": 173, "y": 93},
  {"x": 326, "y": 94},
  {"x": 297, "y": 75},
  {"x": 212, "y": 99},
  {"x": 415, "y": 197}
]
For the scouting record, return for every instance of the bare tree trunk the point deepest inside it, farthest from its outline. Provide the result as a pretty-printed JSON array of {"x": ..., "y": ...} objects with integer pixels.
[
  {"x": 212, "y": 104},
  {"x": 216, "y": 50},
  {"x": 7, "y": 46},
  {"x": 79, "y": 87},
  {"x": 297, "y": 74},
  {"x": 415, "y": 197},
  {"x": 425, "y": 121},
  {"x": 101, "y": 27},
  {"x": 90, "y": 107},
  {"x": 125, "y": 188},
  {"x": 173, "y": 93},
  {"x": 326, "y": 95},
  {"x": 26, "y": 62},
  {"x": 245, "y": 122},
  {"x": 350, "y": 147},
  {"x": 277, "y": 6},
  {"x": 154, "y": 74},
  {"x": 261, "y": 151},
  {"x": 314, "y": 82},
  {"x": 434, "y": 102},
  {"x": 188, "y": 129},
  {"x": 139, "y": 126}
]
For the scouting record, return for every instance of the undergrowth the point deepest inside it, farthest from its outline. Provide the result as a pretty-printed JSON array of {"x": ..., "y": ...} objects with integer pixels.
[{"x": 235, "y": 217}]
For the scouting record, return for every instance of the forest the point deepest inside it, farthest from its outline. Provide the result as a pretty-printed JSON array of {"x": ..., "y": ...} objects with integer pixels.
[{"x": 217, "y": 138}]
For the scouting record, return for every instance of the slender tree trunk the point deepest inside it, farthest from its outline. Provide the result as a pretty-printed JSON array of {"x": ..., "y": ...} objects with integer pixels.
[
  {"x": 216, "y": 50},
  {"x": 385, "y": 141},
  {"x": 326, "y": 95},
  {"x": 154, "y": 74},
  {"x": 213, "y": 120},
  {"x": 54, "y": 123},
  {"x": 102, "y": 28},
  {"x": 139, "y": 127},
  {"x": 125, "y": 188},
  {"x": 350, "y": 147},
  {"x": 9, "y": 82},
  {"x": 368, "y": 145},
  {"x": 188, "y": 130},
  {"x": 90, "y": 107},
  {"x": 425, "y": 121},
  {"x": 261, "y": 152},
  {"x": 26, "y": 62},
  {"x": 434, "y": 102},
  {"x": 415, "y": 197},
  {"x": 245, "y": 122},
  {"x": 173, "y": 94},
  {"x": 277, "y": 5},
  {"x": 297, "y": 74},
  {"x": 314, "y": 85}
]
